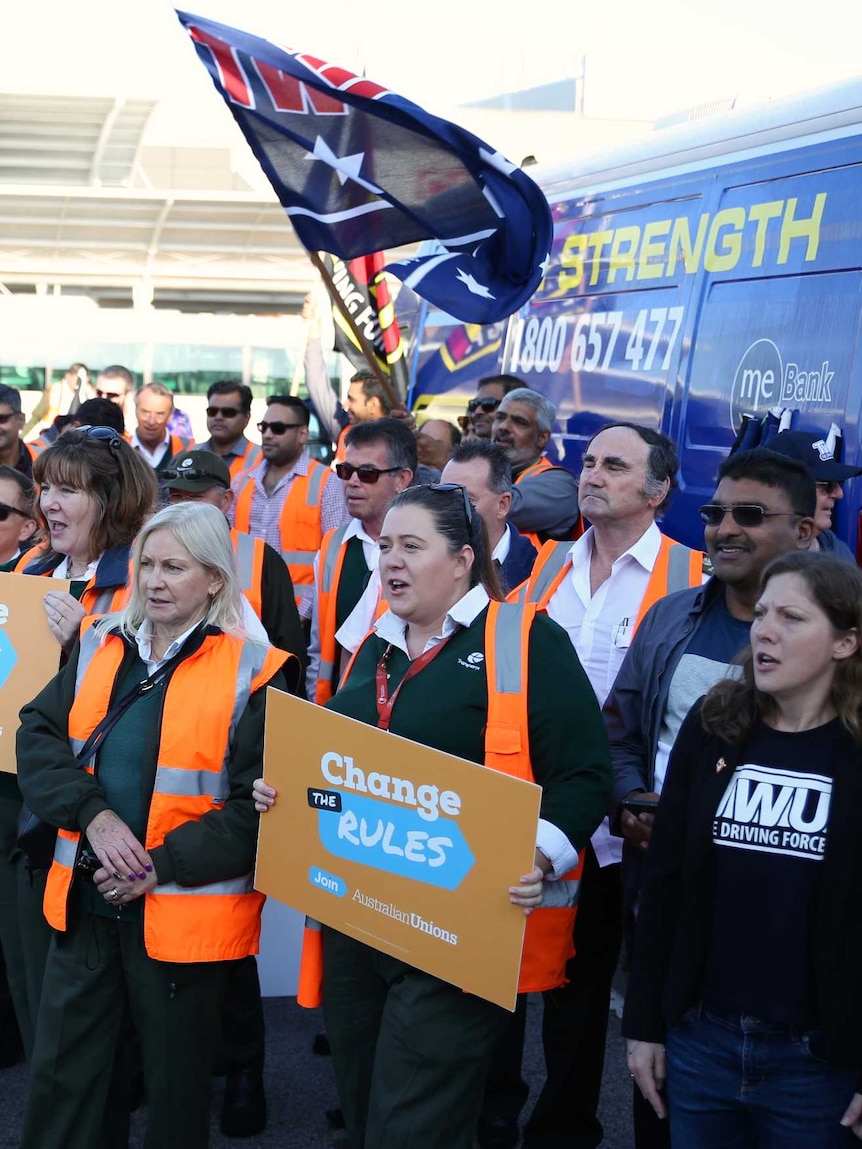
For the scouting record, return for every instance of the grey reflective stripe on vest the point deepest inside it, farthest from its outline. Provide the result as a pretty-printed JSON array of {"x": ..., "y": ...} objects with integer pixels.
[
  {"x": 315, "y": 484},
  {"x": 556, "y": 562},
  {"x": 507, "y": 647},
  {"x": 299, "y": 558},
  {"x": 678, "y": 563},
  {"x": 243, "y": 885},
  {"x": 65, "y": 852},
  {"x": 190, "y": 783},
  {"x": 327, "y": 575},
  {"x": 102, "y": 603},
  {"x": 560, "y": 895},
  {"x": 245, "y": 560}
]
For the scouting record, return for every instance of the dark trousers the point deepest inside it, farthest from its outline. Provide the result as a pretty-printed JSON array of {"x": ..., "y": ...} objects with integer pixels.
[
  {"x": 24, "y": 933},
  {"x": 574, "y": 1028},
  {"x": 97, "y": 970},
  {"x": 410, "y": 1052},
  {"x": 243, "y": 1032}
]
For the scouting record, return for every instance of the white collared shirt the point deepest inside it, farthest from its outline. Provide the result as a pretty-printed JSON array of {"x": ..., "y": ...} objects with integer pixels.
[
  {"x": 61, "y": 570},
  {"x": 153, "y": 457},
  {"x": 600, "y": 627},
  {"x": 501, "y": 551},
  {"x": 550, "y": 839},
  {"x": 144, "y": 639}
]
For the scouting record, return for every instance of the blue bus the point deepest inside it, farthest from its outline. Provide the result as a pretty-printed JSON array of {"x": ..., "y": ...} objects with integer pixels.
[{"x": 698, "y": 275}]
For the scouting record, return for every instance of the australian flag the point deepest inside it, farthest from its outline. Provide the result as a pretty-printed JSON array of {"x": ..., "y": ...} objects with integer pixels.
[{"x": 359, "y": 169}]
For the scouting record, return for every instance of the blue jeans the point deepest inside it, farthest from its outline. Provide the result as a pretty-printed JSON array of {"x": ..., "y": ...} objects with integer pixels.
[{"x": 741, "y": 1083}]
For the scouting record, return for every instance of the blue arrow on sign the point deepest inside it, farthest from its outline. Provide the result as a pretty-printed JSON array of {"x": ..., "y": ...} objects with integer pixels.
[
  {"x": 395, "y": 839},
  {"x": 8, "y": 657}
]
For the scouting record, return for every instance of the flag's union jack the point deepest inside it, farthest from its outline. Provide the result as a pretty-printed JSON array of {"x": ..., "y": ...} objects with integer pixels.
[{"x": 359, "y": 169}]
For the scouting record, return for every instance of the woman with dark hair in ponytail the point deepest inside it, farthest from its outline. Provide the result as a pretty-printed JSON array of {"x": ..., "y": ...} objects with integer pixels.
[{"x": 410, "y": 1051}]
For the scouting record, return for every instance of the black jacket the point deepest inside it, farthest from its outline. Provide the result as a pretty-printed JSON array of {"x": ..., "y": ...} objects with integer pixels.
[
  {"x": 518, "y": 564},
  {"x": 675, "y": 921}
]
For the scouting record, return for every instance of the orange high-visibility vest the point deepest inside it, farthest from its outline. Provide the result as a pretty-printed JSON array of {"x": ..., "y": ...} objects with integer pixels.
[
  {"x": 94, "y": 600},
  {"x": 247, "y": 461},
  {"x": 548, "y": 937},
  {"x": 341, "y": 445},
  {"x": 677, "y": 567},
  {"x": 219, "y": 921},
  {"x": 249, "y": 564},
  {"x": 543, "y": 463},
  {"x": 299, "y": 523},
  {"x": 332, "y": 552}
]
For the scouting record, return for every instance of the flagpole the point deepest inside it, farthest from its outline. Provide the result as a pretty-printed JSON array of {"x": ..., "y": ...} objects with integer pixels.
[{"x": 365, "y": 347}]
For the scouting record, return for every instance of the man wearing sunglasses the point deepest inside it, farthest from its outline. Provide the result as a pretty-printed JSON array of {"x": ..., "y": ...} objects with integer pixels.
[
  {"x": 228, "y": 413},
  {"x": 762, "y": 508},
  {"x": 380, "y": 461},
  {"x": 480, "y": 409},
  {"x": 289, "y": 500},
  {"x": 817, "y": 453}
]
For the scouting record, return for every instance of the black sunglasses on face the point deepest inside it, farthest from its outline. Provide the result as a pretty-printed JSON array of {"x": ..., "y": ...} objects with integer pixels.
[
  {"x": 277, "y": 428},
  {"x": 366, "y": 473},
  {"x": 6, "y": 511},
  {"x": 486, "y": 405},
  {"x": 827, "y": 485},
  {"x": 4, "y": 419},
  {"x": 448, "y": 488},
  {"x": 112, "y": 395},
  {"x": 744, "y": 514},
  {"x": 225, "y": 412}
]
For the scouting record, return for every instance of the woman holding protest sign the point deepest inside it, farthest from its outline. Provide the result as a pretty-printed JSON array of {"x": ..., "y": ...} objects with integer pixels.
[
  {"x": 411, "y": 1051},
  {"x": 95, "y": 493},
  {"x": 744, "y": 996},
  {"x": 150, "y": 892}
]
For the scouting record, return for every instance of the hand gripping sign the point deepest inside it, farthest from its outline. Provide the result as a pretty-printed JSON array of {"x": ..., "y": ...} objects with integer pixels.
[{"x": 403, "y": 847}]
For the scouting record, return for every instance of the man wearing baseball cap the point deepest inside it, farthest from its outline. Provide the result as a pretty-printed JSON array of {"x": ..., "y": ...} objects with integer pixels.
[
  {"x": 203, "y": 476},
  {"x": 818, "y": 454}
]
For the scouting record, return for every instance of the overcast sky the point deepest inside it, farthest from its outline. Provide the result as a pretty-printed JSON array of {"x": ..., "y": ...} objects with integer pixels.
[{"x": 643, "y": 59}]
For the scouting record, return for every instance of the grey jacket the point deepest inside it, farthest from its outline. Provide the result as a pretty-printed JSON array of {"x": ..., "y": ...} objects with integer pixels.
[{"x": 634, "y": 709}]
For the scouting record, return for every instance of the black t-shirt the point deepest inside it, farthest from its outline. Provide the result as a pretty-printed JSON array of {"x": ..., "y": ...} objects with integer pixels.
[{"x": 769, "y": 837}]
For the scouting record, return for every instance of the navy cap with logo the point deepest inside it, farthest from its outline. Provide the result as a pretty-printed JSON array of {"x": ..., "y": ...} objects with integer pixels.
[
  {"x": 196, "y": 471},
  {"x": 813, "y": 450}
]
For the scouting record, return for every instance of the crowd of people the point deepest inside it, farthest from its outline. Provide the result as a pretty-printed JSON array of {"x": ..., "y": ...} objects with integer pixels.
[{"x": 693, "y": 718}]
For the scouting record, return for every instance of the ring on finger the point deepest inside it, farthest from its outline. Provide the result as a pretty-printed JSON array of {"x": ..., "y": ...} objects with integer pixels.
[{"x": 113, "y": 894}]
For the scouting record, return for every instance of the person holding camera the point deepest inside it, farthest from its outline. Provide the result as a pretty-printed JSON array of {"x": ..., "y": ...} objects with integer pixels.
[{"x": 150, "y": 892}]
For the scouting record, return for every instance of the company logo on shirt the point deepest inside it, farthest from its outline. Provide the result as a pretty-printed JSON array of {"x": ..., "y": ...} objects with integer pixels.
[
  {"x": 775, "y": 812},
  {"x": 473, "y": 661}
]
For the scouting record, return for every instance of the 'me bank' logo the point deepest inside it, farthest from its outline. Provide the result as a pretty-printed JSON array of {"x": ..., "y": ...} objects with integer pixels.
[{"x": 762, "y": 380}]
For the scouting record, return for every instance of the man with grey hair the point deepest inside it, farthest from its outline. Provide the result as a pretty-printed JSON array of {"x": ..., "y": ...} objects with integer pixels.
[
  {"x": 545, "y": 498},
  {"x": 154, "y": 405}
]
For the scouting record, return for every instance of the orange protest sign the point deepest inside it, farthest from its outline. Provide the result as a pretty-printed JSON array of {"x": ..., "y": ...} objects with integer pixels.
[
  {"x": 400, "y": 846},
  {"x": 29, "y": 653}
]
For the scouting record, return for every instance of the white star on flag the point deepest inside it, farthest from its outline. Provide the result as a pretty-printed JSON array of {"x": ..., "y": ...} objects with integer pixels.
[
  {"x": 346, "y": 167},
  {"x": 473, "y": 285},
  {"x": 498, "y": 161},
  {"x": 545, "y": 264}
]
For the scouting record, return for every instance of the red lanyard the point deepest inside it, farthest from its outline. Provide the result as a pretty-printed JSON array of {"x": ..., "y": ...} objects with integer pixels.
[{"x": 385, "y": 702}]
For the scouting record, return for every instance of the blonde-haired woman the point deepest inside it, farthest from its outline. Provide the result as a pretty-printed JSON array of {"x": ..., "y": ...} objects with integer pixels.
[{"x": 150, "y": 892}]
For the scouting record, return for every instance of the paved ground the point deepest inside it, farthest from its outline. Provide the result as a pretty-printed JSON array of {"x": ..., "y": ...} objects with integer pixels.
[{"x": 300, "y": 1087}]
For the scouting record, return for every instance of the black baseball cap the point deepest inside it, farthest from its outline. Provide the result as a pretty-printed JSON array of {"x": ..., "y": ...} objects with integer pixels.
[
  {"x": 811, "y": 449},
  {"x": 196, "y": 471}
]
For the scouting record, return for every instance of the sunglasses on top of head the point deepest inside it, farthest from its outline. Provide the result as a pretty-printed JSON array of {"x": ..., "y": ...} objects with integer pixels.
[
  {"x": 743, "y": 514},
  {"x": 366, "y": 473},
  {"x": 106, "y": 435},
  {"x": 451, "y": 488}
]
